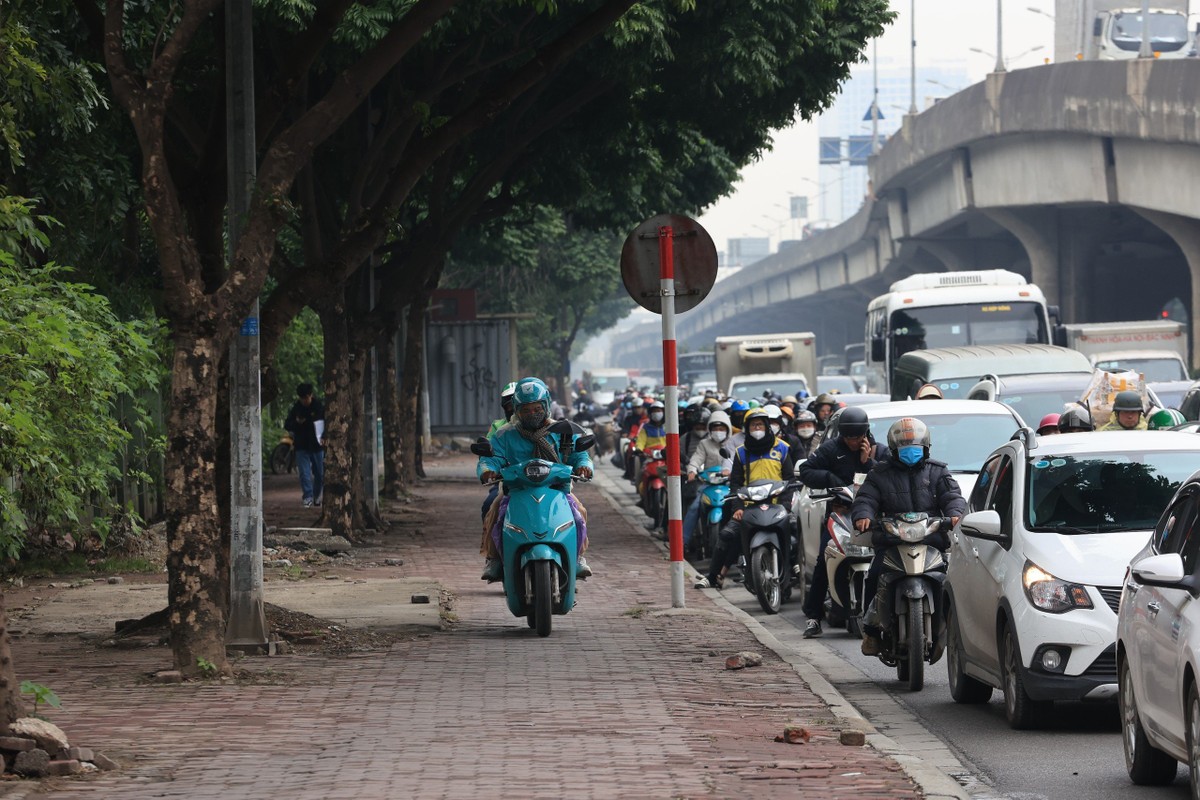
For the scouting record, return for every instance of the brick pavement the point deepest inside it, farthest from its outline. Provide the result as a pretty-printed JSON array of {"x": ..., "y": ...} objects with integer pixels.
[{"x": 619, "y": 700}]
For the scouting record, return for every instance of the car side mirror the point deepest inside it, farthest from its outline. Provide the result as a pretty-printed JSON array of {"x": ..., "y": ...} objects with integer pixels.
[
  {"x": 1165, "y": 569},
  {"x": 983, "y": 525},
  {"x": 584, "y": 442},
  {"x": 482, "y": 448}
]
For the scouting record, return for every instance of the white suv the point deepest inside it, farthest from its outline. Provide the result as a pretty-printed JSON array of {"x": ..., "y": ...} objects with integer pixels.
[
  {"x": 1158, "y": 636},
  {"x": 1036, "y": 565}
]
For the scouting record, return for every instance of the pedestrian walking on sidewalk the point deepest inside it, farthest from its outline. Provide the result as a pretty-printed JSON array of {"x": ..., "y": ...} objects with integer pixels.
[{"x": 306, "y": 423}]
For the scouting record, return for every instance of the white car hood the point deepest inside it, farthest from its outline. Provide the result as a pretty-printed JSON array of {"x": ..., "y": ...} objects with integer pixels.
[{"x": 1097, "y": 559}]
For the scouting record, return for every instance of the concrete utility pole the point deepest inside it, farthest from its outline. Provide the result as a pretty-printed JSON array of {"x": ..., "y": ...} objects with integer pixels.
[
  {"x": 912, "y": 7},
  {"x": 1145, "y": 51},
  {"x": 247, "y": 629},
  {"x": 875, "y": 96},
  {"x": 999, "y": 36}
]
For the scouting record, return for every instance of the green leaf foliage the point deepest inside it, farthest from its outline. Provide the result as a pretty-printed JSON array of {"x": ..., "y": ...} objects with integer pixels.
[{"x": 65, "y": 361}]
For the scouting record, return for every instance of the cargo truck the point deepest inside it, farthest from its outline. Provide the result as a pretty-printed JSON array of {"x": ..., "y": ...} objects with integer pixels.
[
  {"x": 1156, "y": 348},
  {"x": 791, "y": 357}
]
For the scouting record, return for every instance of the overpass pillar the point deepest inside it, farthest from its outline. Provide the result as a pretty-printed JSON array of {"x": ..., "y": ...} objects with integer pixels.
[
  {"x": 1185, "y": 231},
  {"x": 1060, "y": 254}
]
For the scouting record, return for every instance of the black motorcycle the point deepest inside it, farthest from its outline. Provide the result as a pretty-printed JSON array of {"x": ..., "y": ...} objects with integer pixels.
[{"x": 767, "y": 521}]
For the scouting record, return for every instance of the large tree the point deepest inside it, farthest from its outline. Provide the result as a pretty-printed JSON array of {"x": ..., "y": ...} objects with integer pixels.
[{"x": 471, "y": 106}]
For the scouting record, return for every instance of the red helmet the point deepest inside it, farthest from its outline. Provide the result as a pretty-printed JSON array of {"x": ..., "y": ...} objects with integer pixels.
[{"x": 1049, "y": 424}]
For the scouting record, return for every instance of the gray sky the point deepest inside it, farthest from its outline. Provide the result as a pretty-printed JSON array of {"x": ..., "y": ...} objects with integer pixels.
[{"x": 946, "y": 30}]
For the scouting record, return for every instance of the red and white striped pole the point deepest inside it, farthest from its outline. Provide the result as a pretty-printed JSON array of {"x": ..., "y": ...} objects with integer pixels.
[{"x": 666, "y": 273}]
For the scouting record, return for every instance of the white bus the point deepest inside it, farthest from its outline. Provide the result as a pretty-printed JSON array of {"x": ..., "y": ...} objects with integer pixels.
[{"x": 952, "y": 309}]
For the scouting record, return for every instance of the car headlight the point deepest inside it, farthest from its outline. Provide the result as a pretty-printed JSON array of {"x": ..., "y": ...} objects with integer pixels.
[{"x": 1052, "y": 594}]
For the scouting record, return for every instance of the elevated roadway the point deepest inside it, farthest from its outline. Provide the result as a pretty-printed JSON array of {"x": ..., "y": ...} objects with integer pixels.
[{"x": 1083, "y": 176}]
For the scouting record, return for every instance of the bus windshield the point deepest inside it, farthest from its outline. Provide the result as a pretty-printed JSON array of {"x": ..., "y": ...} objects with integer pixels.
[{"x": 971, "y": 323}]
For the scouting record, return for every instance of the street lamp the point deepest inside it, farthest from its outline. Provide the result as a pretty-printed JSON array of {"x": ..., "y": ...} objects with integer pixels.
[
  {"x": 1045, "y": 14},
  {"x": 944, "y": 85},
  {"x": 1017, "y": 57}
]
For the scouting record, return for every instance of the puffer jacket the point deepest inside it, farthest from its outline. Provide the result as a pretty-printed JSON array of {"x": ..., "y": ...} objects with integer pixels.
[
  {"x": 894, "y": 488},
  {"x": 834, "y": 464}
]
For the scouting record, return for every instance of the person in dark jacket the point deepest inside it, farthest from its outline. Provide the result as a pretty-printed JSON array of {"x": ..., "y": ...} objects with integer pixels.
[
  {"x": 909, "y": 480},
  {"x": 835, "y": 463},
  {"x": 306, "y": 423}
]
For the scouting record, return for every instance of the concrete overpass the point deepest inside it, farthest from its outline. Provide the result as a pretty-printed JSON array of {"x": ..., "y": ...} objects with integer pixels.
[{"x": 1083, "y": 176}]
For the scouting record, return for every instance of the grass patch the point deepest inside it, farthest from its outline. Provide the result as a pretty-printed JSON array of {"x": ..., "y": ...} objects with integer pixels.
[
  {"x": 78, "y": 564},
  {"x": 637, "y": 612}
]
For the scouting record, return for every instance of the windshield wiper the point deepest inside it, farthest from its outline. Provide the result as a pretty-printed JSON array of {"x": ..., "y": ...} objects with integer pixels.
[{"x": 1074, "y": 530}]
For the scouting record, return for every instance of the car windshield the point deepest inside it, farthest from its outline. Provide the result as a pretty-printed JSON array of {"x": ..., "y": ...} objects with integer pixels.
[
  {"x": 836, "y": 383},
  {"x": 1102, "y": 493},
  {"x": 751, "y": 389},
  {"x": 962, "y": 441},
  {"x": 1033, "y": 405},
  {"x": 1155, "y": 369}
]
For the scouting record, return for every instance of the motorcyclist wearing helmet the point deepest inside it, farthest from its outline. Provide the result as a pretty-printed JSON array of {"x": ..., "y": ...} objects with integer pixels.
[
  {"x": 1165, "y": 419},
  {"x": 777, "y": 421},
  {"x": 1076, "y": 419},
  {"x": 652, "y": 433},
  {"x": 909, "y": 480},
  {"x": 1049, "y": 425},
  {"x": 1127, "y": 413},
  {"x": 804, "y": 428},
  {"x": 823, "y": 405},
  {"x": 836, "y": 463},
  {"x": 929, "y": 391},
  {"x": 695, "y": 424},
  {"x": 634, "y": 417},
  {"x": 761, "y": 457},
  {"x": 530, "y": 435},
  {"x": 707, "y": 454},
  {"x": 506, "y": 403},
  {"x": 737, "y": 414}
]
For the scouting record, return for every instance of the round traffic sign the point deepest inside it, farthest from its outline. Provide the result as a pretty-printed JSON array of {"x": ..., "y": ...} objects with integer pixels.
[{"x": 695, "y": 262}]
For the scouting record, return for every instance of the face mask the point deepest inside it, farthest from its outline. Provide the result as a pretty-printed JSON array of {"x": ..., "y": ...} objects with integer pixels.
[
  {"x": 531, "y": 422},
  {"x": 774, "y": 429},
  {"x": 656, "y": 416},
  {"x": 805, "y": 433},
  {"x": 911, "y": 454},
  {"x": 719, "y": 436},
  {"x": 757, "y": 434}
]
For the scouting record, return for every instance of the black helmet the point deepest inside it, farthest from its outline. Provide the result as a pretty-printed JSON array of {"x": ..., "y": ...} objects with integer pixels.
[
  {"x": 694, "y": 415},
  {"x": 1128, "y": 401},
  {"x": 1075, "y": 419},
  {"x": 853, "y": 422}
]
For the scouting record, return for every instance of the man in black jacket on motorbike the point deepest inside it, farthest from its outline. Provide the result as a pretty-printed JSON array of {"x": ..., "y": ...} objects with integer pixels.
[
  {"x": 909, "y": 480},
  {"x": 835, "y": 463}
]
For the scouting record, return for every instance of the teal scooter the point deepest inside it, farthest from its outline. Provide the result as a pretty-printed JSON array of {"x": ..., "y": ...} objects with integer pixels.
[{"x": 539, "y": 545}]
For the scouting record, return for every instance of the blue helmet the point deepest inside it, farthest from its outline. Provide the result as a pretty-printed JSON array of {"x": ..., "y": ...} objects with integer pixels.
[
  {"x": 532, "y": 390},
  {"x": 739, "y": 405}
]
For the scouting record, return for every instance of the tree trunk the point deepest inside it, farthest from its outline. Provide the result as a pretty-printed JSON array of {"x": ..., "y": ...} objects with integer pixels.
[
  {"x": 224, "y": 485},
  {"x": 11, "y": 707},
  {"x": 410, "y": 389},
  {"x": 195, "y": 585},
  {"x": 341, "y": 446},
  {"x": 389, "y": 410}
]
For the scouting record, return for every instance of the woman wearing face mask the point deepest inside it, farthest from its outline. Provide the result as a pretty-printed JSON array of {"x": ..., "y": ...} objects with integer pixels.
[
  {"x": 707, "y": 454},
  {"x": 805, "y": 428}
]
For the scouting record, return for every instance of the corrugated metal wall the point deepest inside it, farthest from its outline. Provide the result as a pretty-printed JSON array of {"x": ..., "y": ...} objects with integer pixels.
[{"x": 468, "y": 363}]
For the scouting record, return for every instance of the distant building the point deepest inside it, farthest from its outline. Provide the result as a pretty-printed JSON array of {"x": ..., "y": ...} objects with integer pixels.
[
  {"x": 845, "y": 129},
  {"x": 747, "y": 250}
]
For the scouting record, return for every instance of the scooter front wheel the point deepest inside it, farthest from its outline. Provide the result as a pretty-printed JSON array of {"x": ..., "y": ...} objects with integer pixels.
[
  {"x": 542, "y": 597},
  {"x": 916, "y": 646},
  {"x": 764, "y": 567}
]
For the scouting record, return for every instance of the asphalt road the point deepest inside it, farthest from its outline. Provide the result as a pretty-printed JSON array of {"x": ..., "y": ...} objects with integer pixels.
[{"x": 1076, "y": 754}]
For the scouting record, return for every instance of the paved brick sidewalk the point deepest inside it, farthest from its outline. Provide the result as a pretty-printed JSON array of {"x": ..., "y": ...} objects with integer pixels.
[{"x": 618, "y": 701}]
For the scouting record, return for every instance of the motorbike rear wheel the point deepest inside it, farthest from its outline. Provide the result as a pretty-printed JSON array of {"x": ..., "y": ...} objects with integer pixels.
[
  {"x": 282, "y": 459},
  {"x": 916, "y": 646},
  {"x": 765, "y": 571},
  {"x": 542, "y": 598}
]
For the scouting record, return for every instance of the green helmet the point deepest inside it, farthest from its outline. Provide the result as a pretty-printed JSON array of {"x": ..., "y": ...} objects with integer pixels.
[
  {"x": 753, "y": 404},
  {"x": 1165, "y": 419}
]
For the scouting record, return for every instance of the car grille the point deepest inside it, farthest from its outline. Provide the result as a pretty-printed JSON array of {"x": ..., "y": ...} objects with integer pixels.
[
  {"x": 1111, "y": 595},
  {"x": 1105, "y": 665}
]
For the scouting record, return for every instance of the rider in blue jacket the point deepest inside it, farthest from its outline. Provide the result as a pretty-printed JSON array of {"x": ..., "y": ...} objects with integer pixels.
[{"x": 531, "y": 434}]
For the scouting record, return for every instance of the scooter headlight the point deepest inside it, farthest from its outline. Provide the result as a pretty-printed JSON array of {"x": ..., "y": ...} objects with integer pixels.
[
  {"x": 564, "y": 526},
  {"x": 758, "y": 494},
  {"x": 911, "y": 531},
  {"x": 508, "y": 526},
  {"x": 537, "y": 472}
]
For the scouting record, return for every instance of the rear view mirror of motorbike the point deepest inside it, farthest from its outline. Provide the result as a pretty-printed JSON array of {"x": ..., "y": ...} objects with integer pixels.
[
  {"x": 584, "y": 443},
  {"x": 724, "y": 453},
  {"x": 482, "y": 448}
]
